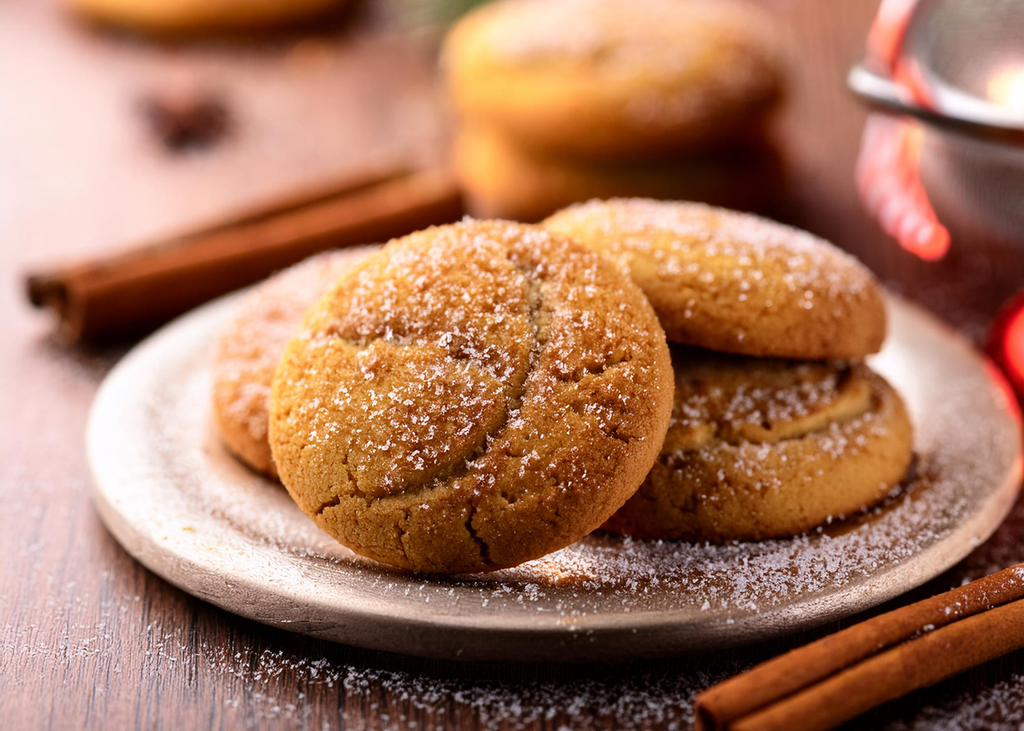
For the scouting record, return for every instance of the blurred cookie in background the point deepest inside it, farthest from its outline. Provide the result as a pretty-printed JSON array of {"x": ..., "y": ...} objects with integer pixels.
[
  {"x": 617, "y": 79},
  {"x": 501, "y": 180},
  {"x": 560, "y": 101},
  {"x": 185, "y": 17}
]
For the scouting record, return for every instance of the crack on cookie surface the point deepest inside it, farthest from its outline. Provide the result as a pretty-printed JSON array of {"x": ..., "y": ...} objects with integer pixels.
[
  {"x": 485, "y": 550},
  {"x": 332, "y": 503},
  {"x": 513, "y": 400}
]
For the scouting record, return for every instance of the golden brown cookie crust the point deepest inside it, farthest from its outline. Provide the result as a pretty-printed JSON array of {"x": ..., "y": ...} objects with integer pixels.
[
  {"x": 251, "y": 346},
  {"x": 734, "y": 282},
  {"x": 503, "y": 181},
  {"x": 617, "y": 79},
  {"x": 769, "y": 448},
  {"x": 474, "y": 396}
]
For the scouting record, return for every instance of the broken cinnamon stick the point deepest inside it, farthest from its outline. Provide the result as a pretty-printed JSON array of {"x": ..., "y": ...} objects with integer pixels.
[
  {"x": 828, "y": 682},
  {"x": 126, "y": 294}
]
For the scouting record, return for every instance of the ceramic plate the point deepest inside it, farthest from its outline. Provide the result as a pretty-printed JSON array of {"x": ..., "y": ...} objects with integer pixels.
[{"x": 179, "y": 503}]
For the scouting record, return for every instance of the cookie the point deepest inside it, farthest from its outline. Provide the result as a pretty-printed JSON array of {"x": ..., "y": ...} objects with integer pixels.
[
  {"x": 174, "y": 17},
  {"x": 474, "y": 396},
  {"x": 761, "y": 448},
  {"x": 501, "y": 180},
  {"x": 251, "y": 346},
  {"x": 733, "y": 282},
  {"x": 616, "y": 79}
]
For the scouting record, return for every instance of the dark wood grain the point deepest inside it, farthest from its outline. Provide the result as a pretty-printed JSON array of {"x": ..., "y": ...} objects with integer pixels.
[{"x": 91, "y": 640}]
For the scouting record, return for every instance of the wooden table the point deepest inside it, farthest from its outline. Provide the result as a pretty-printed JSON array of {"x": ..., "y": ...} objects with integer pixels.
[{"x": 90, "y": 639}]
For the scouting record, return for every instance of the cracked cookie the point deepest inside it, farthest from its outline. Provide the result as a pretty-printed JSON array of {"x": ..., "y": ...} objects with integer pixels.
[
  {"x": 251, "y": 346},
  {"x": 472, "y": 397},
  {"x": 734, "y": 282},
  {"x": 761, "y": 448},
  {"x": 617, "y": 79}
]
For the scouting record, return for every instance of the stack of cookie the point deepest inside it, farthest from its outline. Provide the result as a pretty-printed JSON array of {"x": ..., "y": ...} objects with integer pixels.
[
  {"x": 566, "y": 100},
  {"x": 476, "y": 395},
  {"x": 777, "y": 425}
]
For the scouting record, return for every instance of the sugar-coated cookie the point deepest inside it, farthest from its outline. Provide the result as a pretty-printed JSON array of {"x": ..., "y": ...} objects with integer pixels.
[
  {"x": 501, "y": 180},
  {"x": 762, "y": 448},
  {"x": 473, "y": 396},
  {"x": 617, "y": 78},
  {"x": 251, "y": 346},
  {"x": 201, "y": 16},
  {"x": 734, "y": 282}
]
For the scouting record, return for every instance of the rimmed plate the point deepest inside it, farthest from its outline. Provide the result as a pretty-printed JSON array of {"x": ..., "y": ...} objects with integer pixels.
[{"x": 172, "y": 496}]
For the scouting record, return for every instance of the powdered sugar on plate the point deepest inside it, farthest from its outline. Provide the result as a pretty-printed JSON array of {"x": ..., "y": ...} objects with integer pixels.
[{"x": 180, "y": 503}]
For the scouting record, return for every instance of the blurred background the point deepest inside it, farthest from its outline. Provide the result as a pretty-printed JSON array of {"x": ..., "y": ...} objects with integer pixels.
[{"x": 121, "y": 126}]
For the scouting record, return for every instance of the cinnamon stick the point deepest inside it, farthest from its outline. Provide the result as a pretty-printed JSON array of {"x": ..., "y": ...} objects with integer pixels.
[
  {"x": 828, "y": 682},
  {"x": 125, "y": 294}
]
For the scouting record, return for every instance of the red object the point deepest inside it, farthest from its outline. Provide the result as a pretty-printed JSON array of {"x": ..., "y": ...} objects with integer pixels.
[
  {"x": 889, "y": 182},
  {"x": 888, "y": 171},
  {"x": 1006, "y": 342},
  {"x": 886, "y": 35}
]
